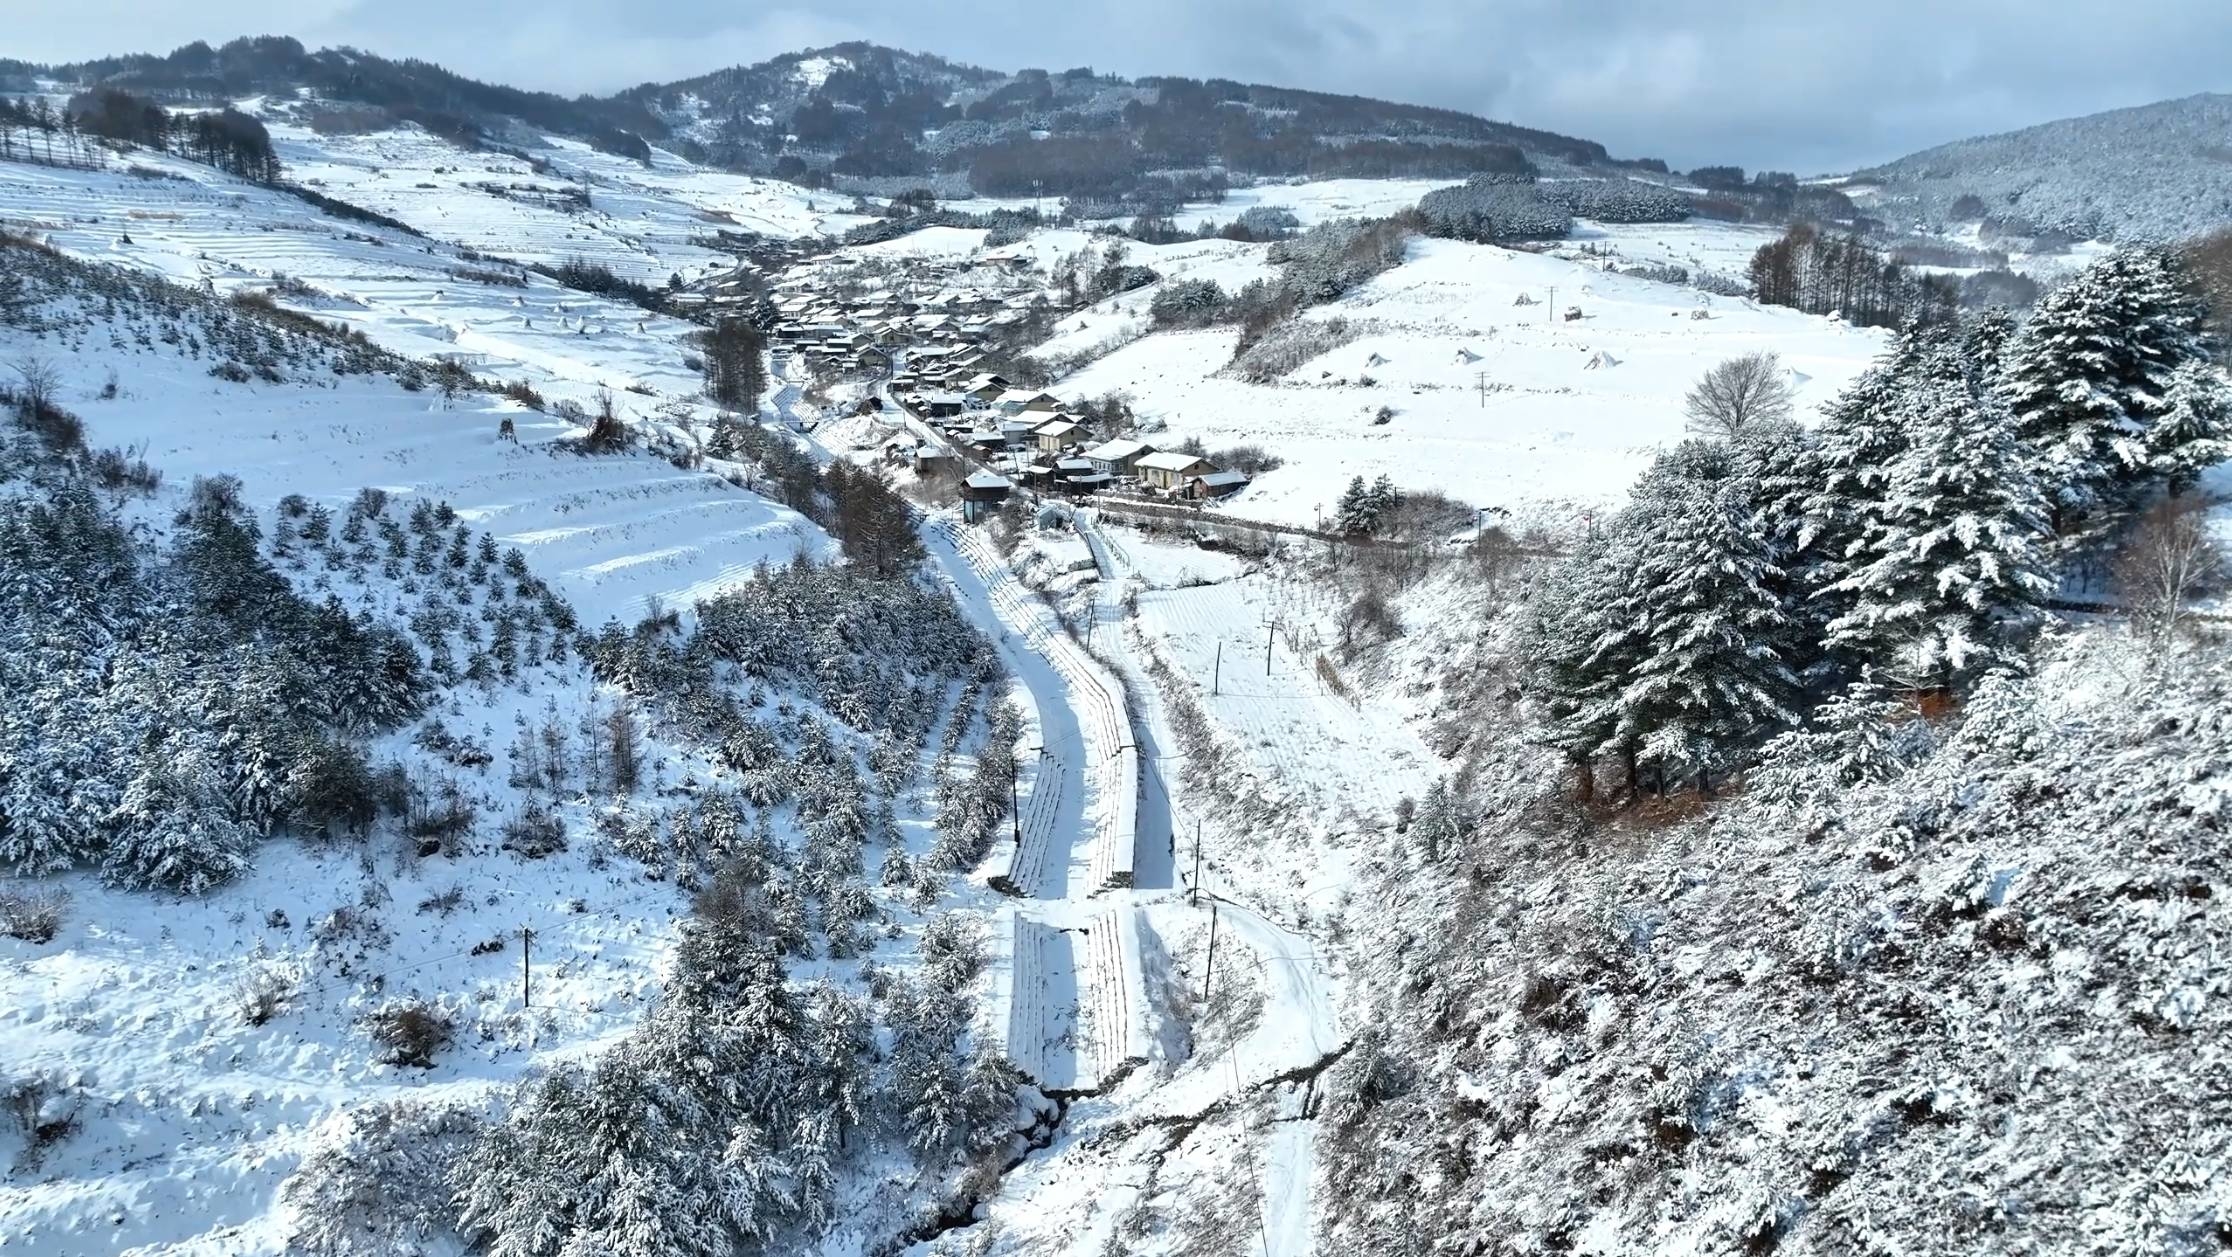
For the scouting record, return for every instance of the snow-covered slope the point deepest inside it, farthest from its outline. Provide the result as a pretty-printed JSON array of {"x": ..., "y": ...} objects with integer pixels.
[
  {"x": 2154, "y": 172},
  {"x": 157, "y": 1112},
  {"x": 1490, "y": 401}
]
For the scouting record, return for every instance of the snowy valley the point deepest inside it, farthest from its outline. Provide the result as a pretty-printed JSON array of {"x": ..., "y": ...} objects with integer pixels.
[{"x": 558, "y": 700}]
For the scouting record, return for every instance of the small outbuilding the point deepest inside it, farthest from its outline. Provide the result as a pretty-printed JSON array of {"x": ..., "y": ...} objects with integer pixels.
[
  {"x": 1215, "y": 484},
  {"x": 982, "y": 492}
]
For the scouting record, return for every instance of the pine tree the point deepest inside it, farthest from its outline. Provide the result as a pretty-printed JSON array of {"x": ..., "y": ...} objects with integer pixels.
[
  {"x": 1439, "y": 825},
  {"x": 2192, "y": 430},
  {"x": 2088, "y": 377},
  {"x": 1579, "y": 654},
  {"x": 1863, "y": 433},
  {"x": 172, "y": 829},
  {"x": 1353, "y": 514},
  {"x": 1984, "y": 345},
  {"x": 1948, "y": 581},
  {"x": 1713, "y": 675}
]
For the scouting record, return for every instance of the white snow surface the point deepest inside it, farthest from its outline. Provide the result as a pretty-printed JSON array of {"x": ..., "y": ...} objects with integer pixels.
[{"x": 1493, "y": 403}]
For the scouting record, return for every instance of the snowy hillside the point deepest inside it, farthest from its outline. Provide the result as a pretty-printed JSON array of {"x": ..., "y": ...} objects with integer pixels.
[
  {"x": 1493, "y": 402},
  {"x": 486, "y": 767},
  {"x": 2155, "y": 172},
  {"x": 173, "y": 1061}
]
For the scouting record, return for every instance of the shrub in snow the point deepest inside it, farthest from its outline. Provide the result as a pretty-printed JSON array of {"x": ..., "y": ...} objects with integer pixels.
[
  {"x": 1188, "y": 303},
  {"x": 42, "y": 1110},
  {"x": 267, "y": 990},
  {"x": 31, "y": 915},
  {"x": 412, "y": 1031},
  {"x": 1287, "y": 346},
  {"x": 534, "y": 832}
]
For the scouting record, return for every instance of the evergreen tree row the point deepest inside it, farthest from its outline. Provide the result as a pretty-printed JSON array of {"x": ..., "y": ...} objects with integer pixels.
[{"x": 1909, "y": 540}]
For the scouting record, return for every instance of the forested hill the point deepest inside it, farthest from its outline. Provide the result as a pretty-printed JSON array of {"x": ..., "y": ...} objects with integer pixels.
[
  {"x": 2160, "y": 171},
  {"x": 860, "y": 112},
  {"x": 863, "y": 110}
]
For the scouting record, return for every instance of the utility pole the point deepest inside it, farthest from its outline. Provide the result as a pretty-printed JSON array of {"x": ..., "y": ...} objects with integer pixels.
[
  {"x": 1550, "y": 308},
  {"x": 1270, "y": 631},
  {"x": 1216, "y": 673},
  {"x": 1480, "y": 381},
  {"x": 526, "y": 970},
  {"x": 1209, "y": 967},
  {"x": 1014, "y": 809},
  {"x": 1196, "y": 887}
]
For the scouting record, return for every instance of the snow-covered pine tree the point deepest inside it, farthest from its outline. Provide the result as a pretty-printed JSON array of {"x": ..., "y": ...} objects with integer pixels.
[
  {"x": 1947, "y": 582},
  {"x": 2088, "y": 377},
  {"x": 1439, "y": 825},
  {"x": 1984, "y": 342},
  {"x": 1354, "y": 515},
  {"x": 1855, "y": 444},
  {"x": 2192, "y": 428},
  {"x": 1712, "y": 676},
  {"x": 1577, "y": 655},
  {"x": 173, "y": 828},
  {"x": 1862, "y": 734}
]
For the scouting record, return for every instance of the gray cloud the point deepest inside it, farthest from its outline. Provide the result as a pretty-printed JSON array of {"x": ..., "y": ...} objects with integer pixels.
[{"x": 1808, "y": 85}]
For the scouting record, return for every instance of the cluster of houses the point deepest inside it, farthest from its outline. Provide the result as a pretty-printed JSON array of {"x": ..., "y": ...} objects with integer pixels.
[
  {"x": 924, "y": 334},
  {"x": 933, "y": 318},
  {"x": 1029, "y": 434}
]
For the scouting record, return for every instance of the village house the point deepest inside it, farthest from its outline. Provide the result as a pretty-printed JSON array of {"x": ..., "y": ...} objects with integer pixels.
[
  {"x": 1118, "y": 457},
  {"x": 1016, "y": 401},
  {"x": 1055, "y": 435},
  {"x": 1168, "y": 471},
  {"x": 983, "y": 389}
]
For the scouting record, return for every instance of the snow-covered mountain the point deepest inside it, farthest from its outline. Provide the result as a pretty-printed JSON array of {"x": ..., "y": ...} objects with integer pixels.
[
  {"x": 865, "y": 112},
  {"x": 2154, "y": 172}
]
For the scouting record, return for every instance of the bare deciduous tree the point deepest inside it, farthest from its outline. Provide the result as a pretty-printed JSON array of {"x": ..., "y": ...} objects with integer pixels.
[
  {"x": 2168, "y": 559},
  {"x": 37, "y": 383},
  {"x": 1738, "y": 395}
]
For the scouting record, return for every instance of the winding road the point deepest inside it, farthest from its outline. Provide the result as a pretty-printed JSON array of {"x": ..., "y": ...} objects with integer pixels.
[{"x": 1092, "y": 851}]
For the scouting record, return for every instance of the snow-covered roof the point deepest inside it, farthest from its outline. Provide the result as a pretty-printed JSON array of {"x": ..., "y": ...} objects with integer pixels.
[
  {"x": 1118, "y": 450},
  {"x": 986, "y": 480},
  {"x": 1054, "y": 427},
  {"x": 1219, "y": 479},
  {"x": 1172, "y": 460}
]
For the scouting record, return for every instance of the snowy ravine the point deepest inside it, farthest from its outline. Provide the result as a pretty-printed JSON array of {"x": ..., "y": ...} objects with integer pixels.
[{"x": 1096, "y": 965}]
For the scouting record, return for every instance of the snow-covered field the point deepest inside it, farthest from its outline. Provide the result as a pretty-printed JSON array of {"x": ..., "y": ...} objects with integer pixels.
[
  {"x": 640, "y": 221},
  {"x": 1490, "y": 401}
]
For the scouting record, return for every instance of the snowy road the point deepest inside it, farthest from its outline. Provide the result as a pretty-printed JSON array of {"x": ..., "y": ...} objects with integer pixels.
[
  {"x": 1299, "y": 1027},
  {"x": 1091, "y": 862}
]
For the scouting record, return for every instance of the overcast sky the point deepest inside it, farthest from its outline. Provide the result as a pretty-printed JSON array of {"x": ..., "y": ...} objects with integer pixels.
[{"x": 1807, "y": 85}]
